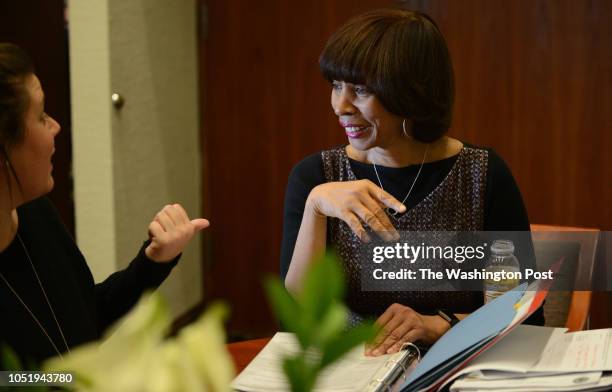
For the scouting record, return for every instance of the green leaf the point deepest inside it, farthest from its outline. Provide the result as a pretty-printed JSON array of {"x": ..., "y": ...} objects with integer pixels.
[
  {"x": 347, "y": 341},
  {"x": 318, "y": 318},
  {"x": 10, "y": 361},
  {"x": 323, "y": 285},
  {"x": 332, "y": 324},
  {"x": 302, "y": 377},
  {"x": 288, "y": 311}
]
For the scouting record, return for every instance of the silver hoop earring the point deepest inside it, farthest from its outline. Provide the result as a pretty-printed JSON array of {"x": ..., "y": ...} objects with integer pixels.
[{"x": 404, "y": 130}]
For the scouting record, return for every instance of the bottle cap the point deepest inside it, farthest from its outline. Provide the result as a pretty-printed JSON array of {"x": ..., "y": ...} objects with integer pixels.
[{"x": 502, "y": 246}]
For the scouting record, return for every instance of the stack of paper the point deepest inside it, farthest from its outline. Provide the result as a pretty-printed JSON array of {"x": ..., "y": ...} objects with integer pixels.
[
  {"x": 474, "y": 335},
  {"x": 542, "y": 359},
  {"x": 353, "y": 373},
  {"x": 518, "y": 355}
]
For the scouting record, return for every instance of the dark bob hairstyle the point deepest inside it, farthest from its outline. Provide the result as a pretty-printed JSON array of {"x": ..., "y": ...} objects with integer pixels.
[{"x": 402, "y": 57}]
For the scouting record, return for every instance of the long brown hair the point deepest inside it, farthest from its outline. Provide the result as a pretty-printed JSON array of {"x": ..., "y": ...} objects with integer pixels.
[{"x": 15, "y": 67}]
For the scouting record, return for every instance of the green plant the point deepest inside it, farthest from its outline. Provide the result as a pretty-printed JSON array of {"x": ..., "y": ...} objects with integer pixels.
[
  {"x": 318, "y": 318},
  {"x": 10, "y": 362}
]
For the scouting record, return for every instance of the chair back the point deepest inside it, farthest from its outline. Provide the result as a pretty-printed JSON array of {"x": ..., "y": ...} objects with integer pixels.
[{"x": 578, "y": 247}]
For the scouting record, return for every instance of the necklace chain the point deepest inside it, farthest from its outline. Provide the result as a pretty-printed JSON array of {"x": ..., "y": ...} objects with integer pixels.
[
  {"x": 389, "y": 210},
  {"x": 44, "y": 330}
]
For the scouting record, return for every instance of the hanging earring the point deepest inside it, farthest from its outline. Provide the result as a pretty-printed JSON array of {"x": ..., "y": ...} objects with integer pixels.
[{"x": 404, "y": 130}]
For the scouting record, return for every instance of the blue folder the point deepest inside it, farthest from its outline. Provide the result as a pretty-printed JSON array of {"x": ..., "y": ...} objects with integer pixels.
[{"x": 464, "y": 339}]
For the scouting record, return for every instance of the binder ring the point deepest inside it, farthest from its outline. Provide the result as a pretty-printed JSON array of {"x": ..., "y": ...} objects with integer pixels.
[
  {"x": 410, "y": 344},
  {"x": 383, "y": 383},
  {"x": 401, "y": 364},
  {"x": 405, "y": 346}
]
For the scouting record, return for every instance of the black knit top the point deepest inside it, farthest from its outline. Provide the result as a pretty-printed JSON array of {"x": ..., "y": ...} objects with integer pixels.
[{"x": 83, "y": 309}]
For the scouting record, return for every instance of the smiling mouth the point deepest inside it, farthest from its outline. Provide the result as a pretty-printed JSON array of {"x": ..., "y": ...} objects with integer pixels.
[{"x": 355, "y": 132}]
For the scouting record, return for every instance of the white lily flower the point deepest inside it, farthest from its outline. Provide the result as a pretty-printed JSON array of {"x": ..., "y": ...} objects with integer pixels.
[{"x": 135, "y": 357}]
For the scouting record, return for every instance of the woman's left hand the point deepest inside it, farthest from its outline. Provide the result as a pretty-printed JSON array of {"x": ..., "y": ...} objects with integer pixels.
[
  {"x": 401, "y": 324},
  {"x": 170, "y": 231}
]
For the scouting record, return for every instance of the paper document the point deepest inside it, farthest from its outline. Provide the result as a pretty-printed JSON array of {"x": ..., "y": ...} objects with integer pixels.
[
  {"x": 556, "y": 383},
  {"x": 534, "y": 359},
  {"x": 519, "y": 351},
  {"x": 577, "y": 351},
  {"x": 353, "y": 372},
  {"x": 480, "y": 326}
]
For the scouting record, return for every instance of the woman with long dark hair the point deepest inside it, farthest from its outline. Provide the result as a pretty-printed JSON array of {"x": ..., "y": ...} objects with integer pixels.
[{"x": 48, "y": 299}]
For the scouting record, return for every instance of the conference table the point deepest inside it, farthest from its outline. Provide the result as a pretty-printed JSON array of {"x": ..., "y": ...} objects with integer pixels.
[{"x": 243, "y": 352}]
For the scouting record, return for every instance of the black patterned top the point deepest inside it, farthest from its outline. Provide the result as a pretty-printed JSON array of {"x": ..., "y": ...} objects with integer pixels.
[
  {"x": 456, "y": 204},
  {"x": 471, "y": 191}
]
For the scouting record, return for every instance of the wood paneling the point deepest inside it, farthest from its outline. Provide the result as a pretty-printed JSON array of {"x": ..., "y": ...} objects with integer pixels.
[
  {"x": 532, "y": 80},
  {"x": 265, "y": 108},
  {"x": 38, "y": 27}
]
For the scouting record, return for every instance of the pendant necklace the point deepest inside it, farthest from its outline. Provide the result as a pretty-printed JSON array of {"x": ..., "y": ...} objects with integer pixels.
[
  {"x": 391, "y": 211},
  {"x": 43, "y": 329}
]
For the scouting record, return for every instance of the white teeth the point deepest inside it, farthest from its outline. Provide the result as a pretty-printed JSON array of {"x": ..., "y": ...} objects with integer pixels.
[{"x": 355, "y": 129}]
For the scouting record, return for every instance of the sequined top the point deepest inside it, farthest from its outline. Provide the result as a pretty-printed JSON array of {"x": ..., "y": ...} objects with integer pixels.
[
  {"x": 474, "y": 190},
  {"x": 456, "y": 204}
]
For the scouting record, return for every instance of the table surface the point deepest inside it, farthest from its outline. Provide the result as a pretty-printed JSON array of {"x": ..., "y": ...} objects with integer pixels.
[{"x": 243, "y": 352}]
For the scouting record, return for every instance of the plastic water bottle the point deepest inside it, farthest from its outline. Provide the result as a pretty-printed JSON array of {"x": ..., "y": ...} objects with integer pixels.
[{"x": 502, "y": 259}]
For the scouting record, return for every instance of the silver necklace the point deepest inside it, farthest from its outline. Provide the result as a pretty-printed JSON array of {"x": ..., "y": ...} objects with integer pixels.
[
  {"x": 391, "y": 211},
  {"x": 43, "y": 329}
]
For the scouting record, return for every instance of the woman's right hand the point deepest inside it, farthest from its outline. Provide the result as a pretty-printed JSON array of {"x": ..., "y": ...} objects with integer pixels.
[{"x": 356, "y": 202}]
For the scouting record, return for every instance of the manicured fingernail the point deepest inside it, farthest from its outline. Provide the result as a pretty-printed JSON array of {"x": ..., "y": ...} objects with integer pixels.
[
  {"x": 402, "y": 208},
  {"x": 376, "y": 352}
]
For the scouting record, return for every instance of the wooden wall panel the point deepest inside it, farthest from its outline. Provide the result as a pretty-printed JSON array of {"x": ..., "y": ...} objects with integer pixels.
[
  {"x": 265, "y": 108},
  {"x": 39, "y": 28},
  {"x": 533, "y": 81}
]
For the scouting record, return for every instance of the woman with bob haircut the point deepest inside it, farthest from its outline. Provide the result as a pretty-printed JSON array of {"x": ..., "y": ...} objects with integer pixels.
[
  {"x": 392, "y": 89},
  {"x": 48, "y": 299}
]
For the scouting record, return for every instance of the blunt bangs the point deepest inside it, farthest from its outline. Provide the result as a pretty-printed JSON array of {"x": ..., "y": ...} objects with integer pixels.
[
  {"x": 401, "y": 57},
  {"x": 352, "y": 53}
]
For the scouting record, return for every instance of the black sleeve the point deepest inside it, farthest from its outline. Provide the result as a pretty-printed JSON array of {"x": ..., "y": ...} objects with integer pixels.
[
  {"x": 504, "y": 207},
  {"x": 121, "y": 290},
  {"x": 505, "y": 211},
  {"x": 115, "y": 296},
  {"x": 304, "y": 176}
]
